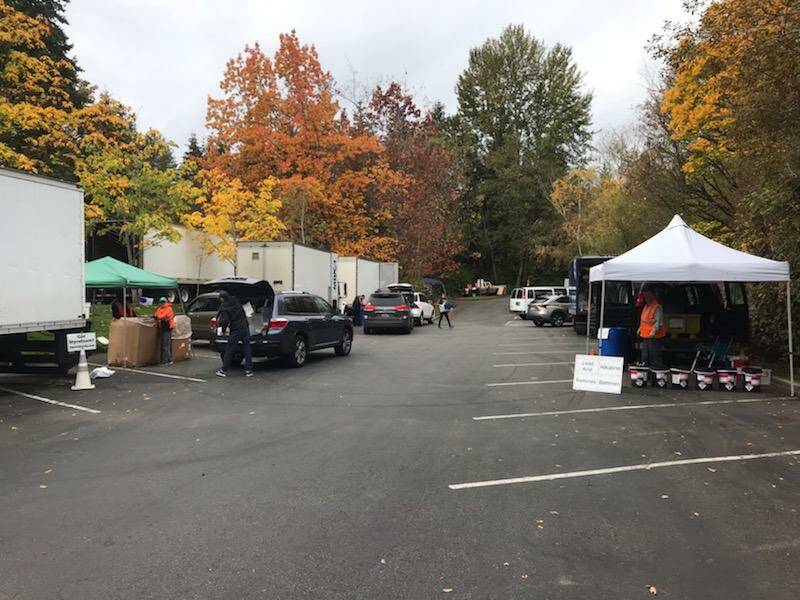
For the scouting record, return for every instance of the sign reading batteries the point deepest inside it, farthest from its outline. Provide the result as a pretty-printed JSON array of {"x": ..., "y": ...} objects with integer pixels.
[
  {"x": 598, "y": 374},
  {"x": 86, "y": 340}
]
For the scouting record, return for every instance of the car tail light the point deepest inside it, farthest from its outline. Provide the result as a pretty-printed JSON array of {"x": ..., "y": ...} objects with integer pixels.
[
  {"x": 369, "y": 307},
  {"x": 541, "y": 306},
  {"x": 277, "y": 324},
  {"x": 401, "y": 307},
  {"x": 213, "y": 323}
]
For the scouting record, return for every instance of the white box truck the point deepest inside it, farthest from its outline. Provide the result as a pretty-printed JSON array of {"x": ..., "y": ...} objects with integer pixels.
[
  {"x": 389, "y": 274},
  {"x": 357, "y": 277},
  {"x": 290, "y": 266},
  {"x": 184, "y": 260},
  {"x": 44, "y": 294}
]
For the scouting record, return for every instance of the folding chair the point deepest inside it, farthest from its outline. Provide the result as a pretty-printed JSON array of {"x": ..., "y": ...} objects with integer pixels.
[{"x": 708, "y": 354}]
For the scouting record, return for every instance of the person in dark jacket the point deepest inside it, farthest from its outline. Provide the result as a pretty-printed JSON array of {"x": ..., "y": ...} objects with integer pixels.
[
  {"x": 357, "y": 314},
  {"x": 231, "y": 316}
]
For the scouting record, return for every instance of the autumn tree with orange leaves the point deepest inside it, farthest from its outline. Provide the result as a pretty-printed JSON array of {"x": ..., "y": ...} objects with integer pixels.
[
  {"x": 278, "y": 118},
  {"x": 424, "y": 215}
]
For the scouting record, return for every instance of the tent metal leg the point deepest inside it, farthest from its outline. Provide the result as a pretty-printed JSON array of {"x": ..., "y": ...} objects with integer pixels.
[
  {"x": 791, "y": 344},
  {"x": 588, "y": 317},
  {"x": 602, "y": 310}
]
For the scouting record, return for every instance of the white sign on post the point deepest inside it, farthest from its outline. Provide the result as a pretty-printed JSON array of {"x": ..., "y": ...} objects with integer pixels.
[
  {"x": 598, "y": 374},
  {"x": 86, "y": 340}
]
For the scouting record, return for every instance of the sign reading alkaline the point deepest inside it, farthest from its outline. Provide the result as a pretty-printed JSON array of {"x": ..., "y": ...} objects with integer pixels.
[{"x": 598, "y": 374}]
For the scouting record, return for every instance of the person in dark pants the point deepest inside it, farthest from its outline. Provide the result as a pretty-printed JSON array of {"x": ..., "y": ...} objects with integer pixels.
[
  {"x": 652, "y": 330},
  {"x": 231, "y": 316},
  {"x": 444, "y": 311},
  {"x": 165, "y": 317},
  {"x": 357, "y": 315}
]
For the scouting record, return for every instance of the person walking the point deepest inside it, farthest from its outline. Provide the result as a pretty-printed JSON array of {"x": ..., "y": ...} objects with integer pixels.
[
  {"x": 444, "y": 311},
  {"x": 652, "y": 329},
  {"x": 231, "y": 316},
  {"x": 357, "y": 314},
  {"x": 165, "y": 318}
]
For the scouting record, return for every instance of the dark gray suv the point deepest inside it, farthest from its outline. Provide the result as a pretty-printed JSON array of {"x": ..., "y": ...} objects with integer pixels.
[
  {"x": 287, "y": 324},
  {"x": 387, "y": 309}
]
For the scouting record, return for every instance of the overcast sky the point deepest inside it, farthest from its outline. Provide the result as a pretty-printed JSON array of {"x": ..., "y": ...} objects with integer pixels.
[{"x": 164, "y": 57}]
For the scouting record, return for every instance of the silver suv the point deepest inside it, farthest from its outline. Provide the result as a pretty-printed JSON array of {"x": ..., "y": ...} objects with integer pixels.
[{"x": 553, "y": 309}]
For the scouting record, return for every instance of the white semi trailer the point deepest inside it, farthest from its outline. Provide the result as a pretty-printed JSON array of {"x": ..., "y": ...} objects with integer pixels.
[
  {"x": 389, "y": 273},
  {"x": 357, "y": 277},
  {"x": 290, "y": 266},
  {"x": 44, "y": 294},
  {"x": 185, "y": 260}
]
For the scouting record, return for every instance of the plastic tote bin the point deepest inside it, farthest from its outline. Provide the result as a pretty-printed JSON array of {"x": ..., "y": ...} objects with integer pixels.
[
  {"x": 616, "y": 344},
  {"x": 661, "y": 377},
  {"x": 704, "y": 379},
  {"x": 639, "y": 376},
  {"x": 752, "y": 378},
  {"x": 727, "y": 379},
  {"x": 680, "y": 377}
]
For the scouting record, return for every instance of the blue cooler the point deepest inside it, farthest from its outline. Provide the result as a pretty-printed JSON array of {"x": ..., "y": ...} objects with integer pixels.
[{"x": 617, "y": 342}]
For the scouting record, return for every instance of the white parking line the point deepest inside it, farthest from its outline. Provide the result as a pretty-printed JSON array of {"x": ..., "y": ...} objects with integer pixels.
[
  {"x": 528, "y": 382},
  {"x": 541, "y": 364},
  {"x": 622, "y": 469},
  {"x": 539, "y": 343},
  {"x": 153, "y": 373},
  {"x": 577, "y": 411},
  {"x": 557, "y": 351},
  {"x": 49, "y": 401}
]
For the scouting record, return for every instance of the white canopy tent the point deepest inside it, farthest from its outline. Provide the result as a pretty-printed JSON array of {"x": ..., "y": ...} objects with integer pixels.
[{"x": 680, "y": 254}]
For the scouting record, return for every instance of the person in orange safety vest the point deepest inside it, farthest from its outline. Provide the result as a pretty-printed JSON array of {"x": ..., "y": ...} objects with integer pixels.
[
  {"x": 652, "y": 329},
  {"x": 165, "y": 317}
]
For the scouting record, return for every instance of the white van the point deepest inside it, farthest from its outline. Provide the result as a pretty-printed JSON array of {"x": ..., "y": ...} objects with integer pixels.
[{"x": 521, "y": 297}]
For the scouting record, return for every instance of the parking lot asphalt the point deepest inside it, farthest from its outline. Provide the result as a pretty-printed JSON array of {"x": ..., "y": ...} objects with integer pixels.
[{"x": 401, "y": 471}]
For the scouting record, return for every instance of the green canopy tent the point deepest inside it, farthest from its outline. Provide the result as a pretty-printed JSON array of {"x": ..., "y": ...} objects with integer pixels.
[{"x": 108, "y": 272}]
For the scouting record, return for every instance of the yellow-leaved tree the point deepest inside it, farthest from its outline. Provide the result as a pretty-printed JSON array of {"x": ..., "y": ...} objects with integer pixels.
[{"x": 229, "y": 213}]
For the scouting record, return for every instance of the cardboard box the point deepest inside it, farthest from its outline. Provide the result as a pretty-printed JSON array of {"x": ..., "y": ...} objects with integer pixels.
[
  {"x": 181, "y": 349},
  {"x": 678, "y": 323},
  {"x": 133, "y": 342}
]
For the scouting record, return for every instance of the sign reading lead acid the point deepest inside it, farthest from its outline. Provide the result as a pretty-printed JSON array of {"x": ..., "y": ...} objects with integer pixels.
[{"x": 598, "y": 374}]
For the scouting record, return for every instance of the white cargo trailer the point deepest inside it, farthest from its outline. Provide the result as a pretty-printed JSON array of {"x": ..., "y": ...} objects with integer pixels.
[
  {"x": 42, "y": 269},
  {"x": 389, "y": 273},
  {"x": 357, "y": 276},
  {"x": 185, "y": 260},
  {"x": 290, "y": 266}
]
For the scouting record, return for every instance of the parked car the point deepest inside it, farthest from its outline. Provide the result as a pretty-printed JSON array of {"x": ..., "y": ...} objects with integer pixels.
[
  {"x": 421, "y": 309},
  {"x": 553, "y": 309},
  {"x": 522, "y": 297},
  {"x": 200, "y": 311},
  {"x": 387, "y": 309},
  {"x": 287, "y": 324}
]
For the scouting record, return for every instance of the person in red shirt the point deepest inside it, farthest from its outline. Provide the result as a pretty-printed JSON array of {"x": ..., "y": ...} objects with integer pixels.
[{"x": 165, "y": 317}]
